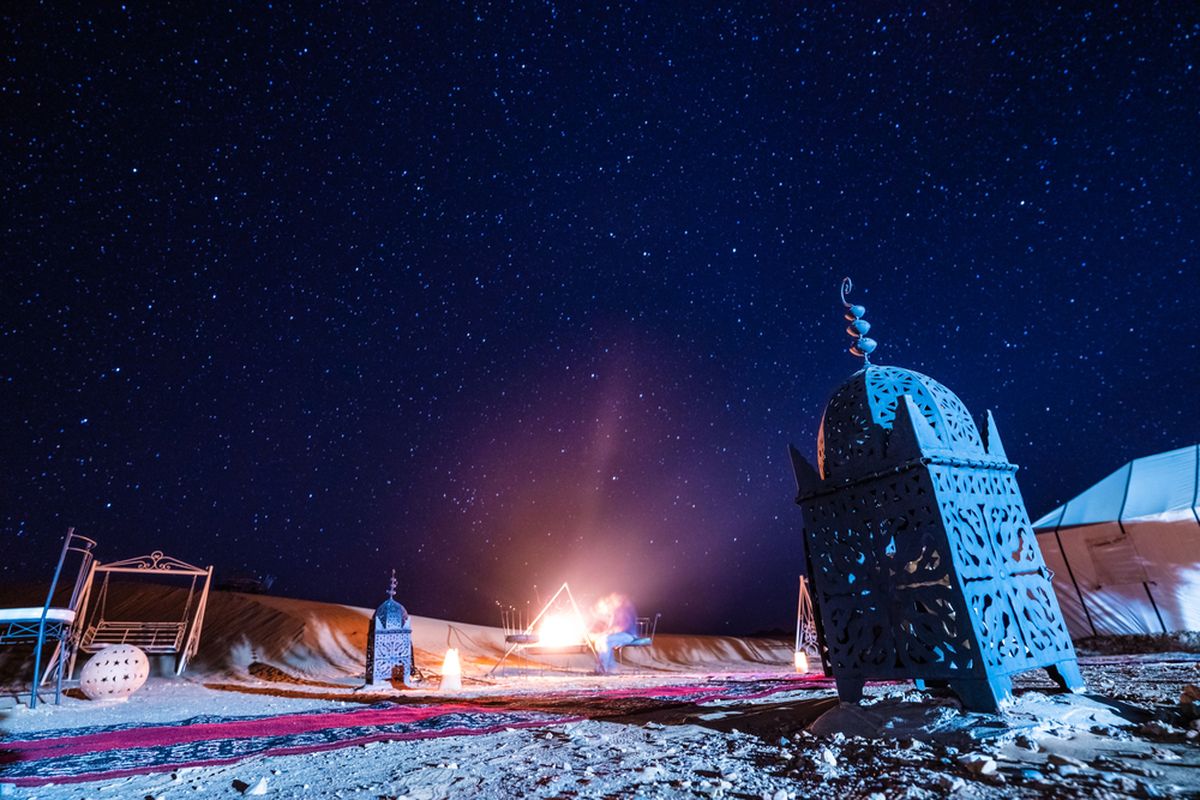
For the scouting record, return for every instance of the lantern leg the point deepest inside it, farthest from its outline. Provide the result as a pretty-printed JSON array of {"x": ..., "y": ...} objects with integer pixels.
[
  {"x": 850, "y": 690},
  {"x": 983, "y": 695},
  {"x": 1066, "y": 675}
]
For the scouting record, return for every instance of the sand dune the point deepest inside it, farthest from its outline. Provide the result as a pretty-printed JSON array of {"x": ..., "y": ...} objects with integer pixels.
[
  {"x": 326, "y": 641},
  {"x": 315, "y": 640}
]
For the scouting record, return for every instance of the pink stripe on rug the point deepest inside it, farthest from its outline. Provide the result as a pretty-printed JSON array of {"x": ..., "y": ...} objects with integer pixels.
[
  {"x": 282, "y": 751},
  {"x": 164, "y": 735}
]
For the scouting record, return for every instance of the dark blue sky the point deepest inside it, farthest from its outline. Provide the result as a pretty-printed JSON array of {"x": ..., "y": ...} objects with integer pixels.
[{"x": 501, "y": 297}]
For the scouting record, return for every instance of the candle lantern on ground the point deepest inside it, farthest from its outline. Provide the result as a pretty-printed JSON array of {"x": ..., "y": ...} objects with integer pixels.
[{"x": 451, "y": 671}]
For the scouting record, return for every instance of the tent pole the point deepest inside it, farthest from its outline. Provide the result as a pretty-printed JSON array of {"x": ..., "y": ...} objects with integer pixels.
[
  {"x": 1075, "y": 583},
  {"x": 1121, "y": 525},
  {"x": 1071, "y": 572},
  {"x": 1196, "y": 490},
  {"x": 1154, "y": 605}
]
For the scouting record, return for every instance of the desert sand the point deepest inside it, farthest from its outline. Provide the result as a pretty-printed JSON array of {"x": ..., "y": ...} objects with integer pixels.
[{"x": 754, "y": 731}]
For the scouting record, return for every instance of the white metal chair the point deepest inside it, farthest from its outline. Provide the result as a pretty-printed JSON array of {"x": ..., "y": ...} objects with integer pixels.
[
  {"x": 50, "y": 622},
  {"x": 647, "y": 627}
]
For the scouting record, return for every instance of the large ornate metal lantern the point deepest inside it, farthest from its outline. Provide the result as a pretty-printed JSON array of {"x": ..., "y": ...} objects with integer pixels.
[
  {"x": 389, "y": 642},
  {"x": 920, "y": 551}
]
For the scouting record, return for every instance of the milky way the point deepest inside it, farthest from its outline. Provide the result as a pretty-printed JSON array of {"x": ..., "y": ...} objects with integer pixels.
[{"x": 502, "y": 297}]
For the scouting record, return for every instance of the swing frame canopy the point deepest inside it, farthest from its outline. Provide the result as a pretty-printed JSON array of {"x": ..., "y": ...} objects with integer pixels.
[
  {"x": 529, "y": 641},
  {"x": 179, "y": 638}
]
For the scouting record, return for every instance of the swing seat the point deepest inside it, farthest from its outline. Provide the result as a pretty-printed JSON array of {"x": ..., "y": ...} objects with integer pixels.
[
  {"x": 154, "y": 638},
  {"x": 563, "y": 650},
  {"x": 521, "y": 638}
]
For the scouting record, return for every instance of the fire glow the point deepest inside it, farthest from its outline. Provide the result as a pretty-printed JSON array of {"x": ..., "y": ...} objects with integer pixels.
[{"x": 562, "y": 630}]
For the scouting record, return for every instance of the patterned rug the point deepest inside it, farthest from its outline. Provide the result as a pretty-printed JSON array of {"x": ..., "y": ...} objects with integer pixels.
[
  {"x": 114, "y": 751},
  {"x": 88, "y": 754},
  {"x": 742, "y": 688},
  {"x": 609, "y": 703}
]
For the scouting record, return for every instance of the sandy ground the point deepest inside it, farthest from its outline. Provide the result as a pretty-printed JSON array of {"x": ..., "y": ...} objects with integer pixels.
[{"x": 1126, "y": 738}]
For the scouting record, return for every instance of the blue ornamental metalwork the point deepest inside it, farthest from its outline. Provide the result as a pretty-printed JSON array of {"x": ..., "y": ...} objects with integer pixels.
[
  {"x": 919, "y": 548},
  {"x": 389, "y": 642}
]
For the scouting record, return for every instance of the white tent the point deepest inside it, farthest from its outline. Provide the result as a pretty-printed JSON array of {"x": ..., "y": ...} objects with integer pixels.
[{"x": 1126, "y": 552}]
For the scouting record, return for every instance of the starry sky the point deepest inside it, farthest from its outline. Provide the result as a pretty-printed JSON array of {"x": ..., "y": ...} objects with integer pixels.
[{"x": 502, "y": 297}]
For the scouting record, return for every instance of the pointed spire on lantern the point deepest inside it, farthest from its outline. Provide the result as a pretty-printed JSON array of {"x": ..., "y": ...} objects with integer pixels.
[
  {"x": 912, "y": 436},
  {"x": 392, "y": 587},
  {"x": 991, "y": 439},
  {"x": 858, "y": 327},
  {"x": 807, "y": 479}
]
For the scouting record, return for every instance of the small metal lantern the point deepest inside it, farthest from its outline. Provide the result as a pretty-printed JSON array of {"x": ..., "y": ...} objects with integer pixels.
[{"x": 389, "y": 642}]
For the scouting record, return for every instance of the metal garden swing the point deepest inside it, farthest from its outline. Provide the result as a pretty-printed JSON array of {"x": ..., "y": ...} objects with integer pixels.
[
  {"x": 558, "y": 629},
  {"x": 179, "y": 637}
]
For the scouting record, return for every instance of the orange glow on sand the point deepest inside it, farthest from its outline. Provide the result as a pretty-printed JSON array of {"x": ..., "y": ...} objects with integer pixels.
[{"x": 562, "y": 629}]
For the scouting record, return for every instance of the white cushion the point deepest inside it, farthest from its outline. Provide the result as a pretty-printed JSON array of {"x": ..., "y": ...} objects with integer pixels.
[{"x": 34, "y": 613}]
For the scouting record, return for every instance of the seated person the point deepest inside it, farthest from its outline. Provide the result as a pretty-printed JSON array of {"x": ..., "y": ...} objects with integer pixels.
[{"x": 614, "y": 626}]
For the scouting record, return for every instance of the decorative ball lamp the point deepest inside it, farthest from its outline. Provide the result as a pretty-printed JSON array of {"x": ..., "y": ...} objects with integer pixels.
[
  {"x": 114, "y": 673},
  {"x": 922, "y": 559},
  {"x": 389, "y": 642}
]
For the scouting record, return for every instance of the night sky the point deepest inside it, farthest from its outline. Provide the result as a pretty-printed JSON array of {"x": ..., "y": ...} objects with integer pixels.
[{"x": 505, "y": 297}]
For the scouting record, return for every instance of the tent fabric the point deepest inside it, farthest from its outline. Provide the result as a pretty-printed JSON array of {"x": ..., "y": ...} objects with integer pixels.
[
  {"x": 1126, "y": 552},
  {"x": 1163, "y": 484}
]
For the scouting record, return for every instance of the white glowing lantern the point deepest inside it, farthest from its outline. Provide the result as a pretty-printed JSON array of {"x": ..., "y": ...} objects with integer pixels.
[
  {"x": 114, "y": 673},
  {"x": 801, "y": 661},
  {"x": 561, "y": 630},
  {"x": 451, "y": 671}
]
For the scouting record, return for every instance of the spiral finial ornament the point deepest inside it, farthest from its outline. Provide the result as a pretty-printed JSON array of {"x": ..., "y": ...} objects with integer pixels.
[{"x": 862, "y": 346}]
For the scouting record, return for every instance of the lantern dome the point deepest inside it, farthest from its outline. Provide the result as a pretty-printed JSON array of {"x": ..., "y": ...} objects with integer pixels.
[
  {"x": 854, "y": 430},
  {"x": 391, "y": 615}
]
